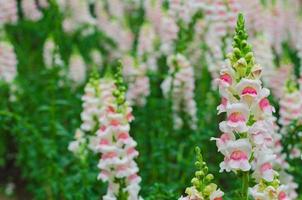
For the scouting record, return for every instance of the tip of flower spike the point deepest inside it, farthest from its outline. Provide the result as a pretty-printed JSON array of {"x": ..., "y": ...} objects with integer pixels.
[
  {"x": 241, "y": 36},
  {"x": 242, "y": 57},
  {"x": 119, "y": 93},
  {"x": 94, "y": 75},
  {"x": 291, "y": 86}
]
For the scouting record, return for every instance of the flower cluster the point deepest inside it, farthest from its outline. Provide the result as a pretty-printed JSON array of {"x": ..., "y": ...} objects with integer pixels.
[
  {"x": 248, "y": 132},
  {"x": 265, "y": 57},
  {"x": 138, "y": 81},
  {"x": 51, "y": 54},
  {"x": 77, "y": 69},
  {"x": 280, "y": 164},
  {"x": 290, "y": 118},
  {"x": 8, "y": 62},
  {"x": 114, "y": 27},
  {"x": 279, "y": 78},
  {"x": 30, "y": 10},
  {"x": 105, "y": 129},
  {"x": 117, "y": 147},
  {"x": 202, "y": 186},
  {"x": 76, "y": 13},
  {"x": 290, "y": 104},
  {"x": 255, "y": 16},
  {"x": 220, "y": 22},
  {"x": 89, "y": 116},
  {"x": 8, "y": 12},
  {"x": 179, "y": 86},
  {"x": 146, "y": 50}
]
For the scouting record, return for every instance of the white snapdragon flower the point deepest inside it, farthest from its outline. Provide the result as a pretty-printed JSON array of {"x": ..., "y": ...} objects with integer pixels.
[
  {"x": 180, "y": 84},
  {"x": 77, "y": 69},
  {"x": 31, "y": 10}
]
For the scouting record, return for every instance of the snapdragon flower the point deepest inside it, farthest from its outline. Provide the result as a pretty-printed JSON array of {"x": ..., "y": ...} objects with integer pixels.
[
  {"x": 265, "y": 57},
  {"x": 146, "y": 40},
  {"x": 96, "y": 58},
  {"x": 290, "y": 104},
  {"x": 43, "y": 3},
  {"x": 154, "y": 12},
  {"x": 220, "y": 19},
  {"x": 168, "y": 34},
  {"x": 51, "y": 54},
  {"x": 146, "y": 46},
  {"x": 202, "y": 187},
  {"x": 138, "y": 82},
  {"x": 76, "y": 13},
  {"x": 247, "y": 138},
  {"x": 105, "y": 130},
  {"x": 117, "y": 147},
  {"x": 180, "y": 9},
  {"x": 278, "y": 80},
  {"x": 77, "y": 69},
  {"x": 8, "y": 62},
  {"x": 179, "y": 86},
  {"x": 89, "y": 116},
  {"x": 275, "y": 25},
  {"x": 8, "y": 12},
  {"x": 114, "y": 29},
  {"x": 255, "y": 15},
  {"x": 30, "y": 10}
]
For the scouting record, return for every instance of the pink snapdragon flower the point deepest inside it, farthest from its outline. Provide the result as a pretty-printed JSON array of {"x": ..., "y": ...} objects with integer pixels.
[
  {"x": 290, "y": 107},
  {"x": 269, "y": 193},
  {"x": 31, "y": 10},
  {"x": 255, "y": 15},
  {"x": 8, "y": 12},
  {"x": 275, "y": 25},
  {"x": 168, "y": 34},
  {"x": 8, "y": 62},
  {"x": 77, "y": 69},
  {"x": 263, "y": 168},
  {"x": 51, "y": 55},
  {"x": 180, "y": 9},
  {"x": 248, "y": 132},
  {"x": 154, "y": 13},
  {"x": 146, "y": 40},
  {"x": 180, "y": 85},
  {"x": 43, "y": 3},
  {"x": 138, "y": 81},
  {"x": 105, "y": 130},
  {"x": 76, "y": 14},
  {"x": 237, "y": 154},
  {"x": 277, "y": 83},
  {"x": 116, "y": 146},
  {"x": 115, "y": 29},
  {"x": 265, "y": 57},
  {"x": 220, "y": 19}
]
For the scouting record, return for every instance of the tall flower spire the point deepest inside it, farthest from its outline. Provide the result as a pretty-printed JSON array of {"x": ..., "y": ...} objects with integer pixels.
[
  {"x": 180, "y": 86},
  {"x": 116, "y": 146},
  {"x": 105, "y": 130},
  {"x": 248, "y": 131}
]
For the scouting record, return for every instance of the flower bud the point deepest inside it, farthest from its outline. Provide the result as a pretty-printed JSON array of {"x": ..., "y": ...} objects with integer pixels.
[
  {"x": 199, "y": 174},
  {"x": 209, "y": 177},
  {"x": 209, "y": 189},
  {"x": 195, "y": 181},
  {"x": 248, "y": 57},
  {"x": 241, "y": 67}
]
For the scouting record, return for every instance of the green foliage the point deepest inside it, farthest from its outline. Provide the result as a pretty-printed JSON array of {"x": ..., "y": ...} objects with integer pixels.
[{"x": 37, "y": 128}]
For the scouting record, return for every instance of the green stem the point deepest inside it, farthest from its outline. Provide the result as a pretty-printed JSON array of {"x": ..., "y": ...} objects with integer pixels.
[{"x": 245, "y": 185}]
